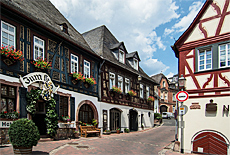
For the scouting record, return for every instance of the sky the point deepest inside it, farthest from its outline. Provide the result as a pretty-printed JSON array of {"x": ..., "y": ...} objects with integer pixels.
[{"x": 149, "y": 27}]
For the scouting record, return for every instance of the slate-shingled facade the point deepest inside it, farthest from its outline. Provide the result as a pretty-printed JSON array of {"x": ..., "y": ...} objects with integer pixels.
[
  {"x": 39, "y": 29},
  {"x": 121, "y": 69}
]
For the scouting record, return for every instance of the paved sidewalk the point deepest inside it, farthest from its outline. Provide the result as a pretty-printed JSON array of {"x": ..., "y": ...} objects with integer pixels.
[{"x": 77, "y": 146}]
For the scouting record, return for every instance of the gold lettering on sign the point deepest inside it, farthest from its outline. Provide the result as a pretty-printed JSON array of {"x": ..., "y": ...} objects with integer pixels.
[{"x": 195, "y": 106}]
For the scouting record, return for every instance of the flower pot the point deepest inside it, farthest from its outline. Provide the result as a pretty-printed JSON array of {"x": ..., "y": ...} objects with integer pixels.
[
  {"x": 106, "y": 133},
  {"x": 118, "y": 131},
  {"x": 22, "y": 150},
  {"x": 76, "y": 135}
]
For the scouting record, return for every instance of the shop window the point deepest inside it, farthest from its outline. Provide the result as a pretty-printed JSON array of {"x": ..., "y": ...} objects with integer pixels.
[
  {"x": 8, "y": 98},
  {"x": 39, "y": 48},
  {"x": 63, "y": 106},
  {"x": 7, "y": 34},
  {"x": 74, "y": 63},
  {"x": 85, "y": 114},
  {"x": 86, "y": 69}
]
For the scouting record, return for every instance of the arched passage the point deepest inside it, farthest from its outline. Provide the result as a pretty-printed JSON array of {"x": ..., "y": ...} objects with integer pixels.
[
  {"x": 86, "y": 111},
  {"x": 209, "y": 142},
  {"x": 163, "y": 108}
]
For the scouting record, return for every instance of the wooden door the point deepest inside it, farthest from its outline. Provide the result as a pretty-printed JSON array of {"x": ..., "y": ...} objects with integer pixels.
[{"x": 209, "y": 143}]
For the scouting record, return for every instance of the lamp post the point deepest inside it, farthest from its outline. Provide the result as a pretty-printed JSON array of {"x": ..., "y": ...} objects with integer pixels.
[{"x": 182, "y": 82}]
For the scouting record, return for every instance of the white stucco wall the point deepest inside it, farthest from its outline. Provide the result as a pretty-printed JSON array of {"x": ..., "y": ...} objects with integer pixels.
[{"x": 198, "y": 119}]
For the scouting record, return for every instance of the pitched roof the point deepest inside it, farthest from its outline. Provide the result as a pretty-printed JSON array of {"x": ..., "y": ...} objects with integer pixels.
[
  {"x": 101, "y": 40},
  {"x": 133, "y": 55},
  {"x": 45, "y": 14}
]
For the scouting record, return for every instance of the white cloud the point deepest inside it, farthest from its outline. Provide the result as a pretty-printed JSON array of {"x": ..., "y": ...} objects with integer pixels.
[
  {"x": 131, "y": 21},
  {"x": 170, "y": 75},
  {"x": 153, "y": 66},
  {"x": 184, "y": 23},
  {"x": 168, "y": 31}
]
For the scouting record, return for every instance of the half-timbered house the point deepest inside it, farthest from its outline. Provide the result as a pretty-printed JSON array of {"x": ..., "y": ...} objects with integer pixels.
[
  {"x": 203, "y": 51},
  {"x": 120, "y": 73},
  {"x": 40, "y": 31}
]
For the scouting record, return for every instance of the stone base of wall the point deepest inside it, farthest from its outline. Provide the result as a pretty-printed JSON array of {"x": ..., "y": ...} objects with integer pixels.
[{"x": 4, "y": 136}]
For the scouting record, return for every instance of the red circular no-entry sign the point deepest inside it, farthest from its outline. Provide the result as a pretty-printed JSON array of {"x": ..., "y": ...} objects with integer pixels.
[{"x": 182, "y": 96}]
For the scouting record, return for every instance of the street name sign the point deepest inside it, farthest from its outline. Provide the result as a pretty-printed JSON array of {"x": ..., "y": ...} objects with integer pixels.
[{"x": 182, "y": 96}]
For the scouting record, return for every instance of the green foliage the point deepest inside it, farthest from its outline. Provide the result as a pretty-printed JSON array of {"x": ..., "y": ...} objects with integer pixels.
[
  {"x": 32, "y": 98},
  {"x": 94, "y": 122},
  {"x": 126, "y": 130},
  {"x": 24, "y": 132},
  {"x": 9, "y": 115},
  {"x": 157, "y": 116},
  {"x": 51, "y": 118}
]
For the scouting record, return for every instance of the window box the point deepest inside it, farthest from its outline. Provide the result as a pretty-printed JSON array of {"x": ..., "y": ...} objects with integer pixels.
[{"x": 10, "y": 56}]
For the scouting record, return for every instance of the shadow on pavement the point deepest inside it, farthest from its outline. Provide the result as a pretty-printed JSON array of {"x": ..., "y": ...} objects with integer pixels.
[{"x": 39, "y": 152}]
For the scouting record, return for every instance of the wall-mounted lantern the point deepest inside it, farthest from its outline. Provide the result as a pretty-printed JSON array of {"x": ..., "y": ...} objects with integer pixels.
[
  {"x": 139, "y": 78},
  {"x": 182, "y": 82},
  {"x": 211, "y": 107}
]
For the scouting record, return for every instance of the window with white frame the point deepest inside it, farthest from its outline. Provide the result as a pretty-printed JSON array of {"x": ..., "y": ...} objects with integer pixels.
[
  {"x": 111, "y": 80},
  {"x": 120, "y": 82},
  {"x": 205, "y": 59},
  {"x": 135, "y": 63},
  {"x": 121, "y": 56},
  {"x": 141, "y": 91},
  {"x": 127, "y": 85},
  {"x": 74, "y": 63},
  {"x": 147, "y": 92},
  {"x": 8, "y": 34},
  {"x": 39, "y": 48},
  {"x": 166, "y": 96},
  {"x": 224, "y": 55},
  {"x": 86, "y": 69}
]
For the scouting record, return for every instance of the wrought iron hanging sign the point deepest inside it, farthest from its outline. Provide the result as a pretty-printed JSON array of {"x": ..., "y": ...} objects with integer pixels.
[{"x": 46, "y": 85}]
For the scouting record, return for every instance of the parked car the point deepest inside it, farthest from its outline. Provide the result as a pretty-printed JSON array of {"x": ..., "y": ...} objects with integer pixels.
[{"x": 167, "y": 115}]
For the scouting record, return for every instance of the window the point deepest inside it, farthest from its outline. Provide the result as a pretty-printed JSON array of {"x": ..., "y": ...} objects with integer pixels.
[
  {"x": 224, "y": 55},
  {"x": 174, "y": 97},
  {"x": 126, "y": 85},
  {"x": 39, "y": 48},
  {"x": 135, "y": 63},
  {"x": 147, "y": 92},
  {"x": 166, "y": 96},
  {"x": 74, "y": 63},
  {"x": 85, "y": 114},
  {"x": 205, "y": 59},
  {"x": 121, "y": 56},
  {"x": 86, "y": 69},
  {"x": 63, "y": 106},
  {"x": 7, "y": 34},
  {"x": 111, "y": 80},
  {"x": 141, "y": 91},
  {"x": 163, "y": 84},
  {"x": 120, "y": 82},
  {"x": 8, "y": 98}
]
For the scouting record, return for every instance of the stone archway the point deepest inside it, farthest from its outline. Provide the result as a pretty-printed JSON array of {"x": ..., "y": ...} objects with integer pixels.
[
  {"x": 163, "y": 108},
  {"x": 94, "y": 109}
]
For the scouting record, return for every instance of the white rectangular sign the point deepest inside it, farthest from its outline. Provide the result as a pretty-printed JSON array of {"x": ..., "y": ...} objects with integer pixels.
[{"x": 5, "y": 124}]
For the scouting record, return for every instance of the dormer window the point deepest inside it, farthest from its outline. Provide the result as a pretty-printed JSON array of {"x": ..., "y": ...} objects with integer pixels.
[
  {"x": 135, "y": 63},
  {"x": 64, "y": 28},
  {"x": 121, "y": 56}
]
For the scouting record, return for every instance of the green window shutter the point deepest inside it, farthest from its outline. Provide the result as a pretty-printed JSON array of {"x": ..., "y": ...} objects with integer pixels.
[
  {"x": 72, "y": 108},
  {"x": 22, "y": 92},
  {"x": 56, "y": 97}
]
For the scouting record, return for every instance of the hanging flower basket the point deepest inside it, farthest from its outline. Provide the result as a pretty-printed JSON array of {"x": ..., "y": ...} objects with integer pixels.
[
  {"x": 150, "y": 99},
  {"x": 10, "y": 56}
]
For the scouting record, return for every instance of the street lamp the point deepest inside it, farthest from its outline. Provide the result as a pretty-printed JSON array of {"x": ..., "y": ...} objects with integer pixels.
[{"x": 182, "y": 84}]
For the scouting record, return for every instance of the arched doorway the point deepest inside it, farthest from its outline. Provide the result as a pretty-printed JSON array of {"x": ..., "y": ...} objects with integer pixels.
[
  {"x": 163, "y": 108},
  {"x": 209, "y": 143},
  {"x": 133, "y": 120},
  {"x": 115, "y": 119}
]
